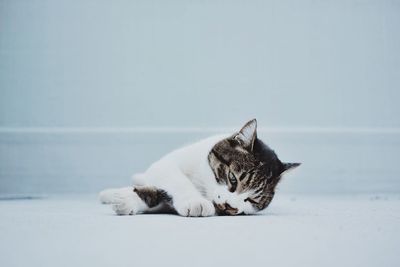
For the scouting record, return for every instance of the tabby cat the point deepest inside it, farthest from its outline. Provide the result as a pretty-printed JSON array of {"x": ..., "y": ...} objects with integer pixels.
[{"x": 221, "y": 175}]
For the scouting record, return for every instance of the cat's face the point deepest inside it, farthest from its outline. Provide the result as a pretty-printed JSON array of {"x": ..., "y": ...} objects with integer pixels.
[{"x": 244, "y": 164}]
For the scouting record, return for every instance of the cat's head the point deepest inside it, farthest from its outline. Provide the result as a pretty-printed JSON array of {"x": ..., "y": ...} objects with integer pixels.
[{"x": 244, "y": 164}]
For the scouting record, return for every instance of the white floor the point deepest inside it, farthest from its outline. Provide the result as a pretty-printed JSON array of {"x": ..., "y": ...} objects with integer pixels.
[{"x": 295, "y": 231}]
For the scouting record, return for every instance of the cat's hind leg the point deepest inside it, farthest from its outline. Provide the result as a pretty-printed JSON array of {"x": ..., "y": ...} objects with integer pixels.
[
  {"x": 157, "y": 200},
  {"x": 108, "y": 196},
  {"x": 124, "y": 200},
  {"x": 137, "y": 199}
]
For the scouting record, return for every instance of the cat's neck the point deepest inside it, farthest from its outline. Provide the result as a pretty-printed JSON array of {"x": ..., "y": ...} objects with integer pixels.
[{"x": 193, "y": 160}]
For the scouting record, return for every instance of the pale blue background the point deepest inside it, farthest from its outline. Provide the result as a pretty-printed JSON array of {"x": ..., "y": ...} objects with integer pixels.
[
  {"x": 200, "y": 63},
  {"x": 325, "y": 64}
]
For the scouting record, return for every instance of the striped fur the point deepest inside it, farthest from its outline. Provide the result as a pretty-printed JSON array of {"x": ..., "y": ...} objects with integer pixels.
[{"x": 244, "y": 163}]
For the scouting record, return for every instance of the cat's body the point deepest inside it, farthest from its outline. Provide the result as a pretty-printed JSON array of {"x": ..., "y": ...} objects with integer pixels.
[{"x": 220, "y": 175}]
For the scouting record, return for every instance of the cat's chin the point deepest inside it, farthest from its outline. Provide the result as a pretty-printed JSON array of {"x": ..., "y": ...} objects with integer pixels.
[{"x": 228, "y": 203}]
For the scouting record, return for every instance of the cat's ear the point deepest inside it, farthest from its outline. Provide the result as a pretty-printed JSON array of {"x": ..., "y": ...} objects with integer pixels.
[
  {"x": 248, "y": 134},
  {"x": 290, "y": 166}
]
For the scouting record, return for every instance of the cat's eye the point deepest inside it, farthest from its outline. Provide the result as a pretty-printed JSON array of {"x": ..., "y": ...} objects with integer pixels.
[{"x": 232, "y": 178}]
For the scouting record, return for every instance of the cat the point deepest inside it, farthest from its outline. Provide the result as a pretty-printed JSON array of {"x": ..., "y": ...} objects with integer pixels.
[{"x": 221, "y": 175}]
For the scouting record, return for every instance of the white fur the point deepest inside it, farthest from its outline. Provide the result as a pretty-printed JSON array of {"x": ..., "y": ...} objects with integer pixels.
[
  {"x": 187, "y": 177},
  {"x": 124, "y": 201}
]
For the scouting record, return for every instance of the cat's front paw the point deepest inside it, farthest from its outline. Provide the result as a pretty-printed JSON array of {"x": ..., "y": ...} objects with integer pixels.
[
  {"x": 225, "y": 209},
  {"x": 195, "y": 208}
]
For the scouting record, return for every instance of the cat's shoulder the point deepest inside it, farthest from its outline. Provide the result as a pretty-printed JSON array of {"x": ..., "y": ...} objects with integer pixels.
[
  {"x": 206, "y": 143},
  {"x": 199, "y": 148}
]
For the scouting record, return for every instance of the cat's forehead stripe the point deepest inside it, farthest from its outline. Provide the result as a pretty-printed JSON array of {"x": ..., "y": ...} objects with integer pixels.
[{"x": 219, "y": 157}]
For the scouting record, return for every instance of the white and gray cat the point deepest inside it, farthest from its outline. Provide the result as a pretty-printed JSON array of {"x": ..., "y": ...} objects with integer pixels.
[{"x": 221, "y": 175}]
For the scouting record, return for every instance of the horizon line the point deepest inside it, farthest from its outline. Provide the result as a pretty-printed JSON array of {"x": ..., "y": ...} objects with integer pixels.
[{"x": 182, "y": 129}]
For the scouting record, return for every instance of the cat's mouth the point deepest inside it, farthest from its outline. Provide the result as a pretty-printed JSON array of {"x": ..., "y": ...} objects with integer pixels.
[{"x": 225, "y": 209}]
